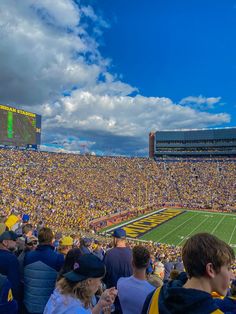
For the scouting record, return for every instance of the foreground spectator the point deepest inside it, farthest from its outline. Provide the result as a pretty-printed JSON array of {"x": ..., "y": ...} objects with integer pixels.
[
  {"x": 7, "y": 304},
  {"x": 9, "y": 265},
  {"x": 71, "y": 257},
  {"x": 118, "y": 262},
  {"x": 133, "y": 290},
  {"x": 40, "y": 272},
  {"x": 207, "y": 261},
  {"x": 74, "y": 291},
  {"x": 118, "y": 259}
]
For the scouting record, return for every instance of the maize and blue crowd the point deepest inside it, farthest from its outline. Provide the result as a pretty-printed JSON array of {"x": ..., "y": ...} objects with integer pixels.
[{"x": 52, "y": 262}]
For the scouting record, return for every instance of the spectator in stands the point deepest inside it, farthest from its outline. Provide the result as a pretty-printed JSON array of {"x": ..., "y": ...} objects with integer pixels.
[
  {"x": 40, "y": 272},
  {"x": 71, "y": 257},
  {"x": 98, "y": 250},
  {"x": 85, "y": 245},
  {"x": 168, "y": 267},
  {"x": 8, "y": 305},
  {"x": 24, "y": 221},
  {"x": 26, "y": 231},
  {"x": 133, "y": 290},
  {"x": 31, "y": 243},
  {"x": 65, "y": 245},
  {"x": 118, "y": 262},
  {"x": 9, "y": 265},
  {"x": 74, "y": 291},
  {"x": 118, "y": 259},
  {"x": 207, "y": 261}
]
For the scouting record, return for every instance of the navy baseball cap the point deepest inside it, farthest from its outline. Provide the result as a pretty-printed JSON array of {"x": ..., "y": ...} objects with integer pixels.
[
  {"x": 8, "y": 235},
  {"x": 87, "y": 266},
  {"x": 119, "y": 233},
  {"x": 25, "y": 218}
]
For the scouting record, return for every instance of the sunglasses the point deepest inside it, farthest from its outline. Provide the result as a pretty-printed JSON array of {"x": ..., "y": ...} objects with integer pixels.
[{"x": 33, "y": 243}]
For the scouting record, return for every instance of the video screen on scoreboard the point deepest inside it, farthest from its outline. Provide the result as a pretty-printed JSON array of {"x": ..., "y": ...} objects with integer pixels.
[{"x": 19, "y": 127}]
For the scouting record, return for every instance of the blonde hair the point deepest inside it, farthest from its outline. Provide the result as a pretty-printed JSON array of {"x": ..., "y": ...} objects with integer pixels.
[{"x": 79, "y": 290}]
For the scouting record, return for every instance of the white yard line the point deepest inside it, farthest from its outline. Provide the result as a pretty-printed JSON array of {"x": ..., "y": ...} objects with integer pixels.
[
  {"x": 218, "y": 224},
  {"x": 232, "y": 235},
  {"x": 192, "y": 231},
  {"x": 158, "y": 240}
]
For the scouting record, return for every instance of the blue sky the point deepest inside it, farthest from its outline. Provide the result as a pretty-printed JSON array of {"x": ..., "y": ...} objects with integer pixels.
[
  {"x": 104, "y": 73},
  {"x": 174, "y": 48}
]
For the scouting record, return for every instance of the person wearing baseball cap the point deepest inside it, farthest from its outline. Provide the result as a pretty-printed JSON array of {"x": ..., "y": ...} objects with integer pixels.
[
  {"x": 118, "y": 261},
  {"x": 74, "y": 291},
  {"x": 65, "y": 245},
  {"x": 9, "y": 265}
]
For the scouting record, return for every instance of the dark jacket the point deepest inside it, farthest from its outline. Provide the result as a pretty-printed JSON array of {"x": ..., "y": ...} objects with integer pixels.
[
  {"x": 174, "y": 299},
  {"x": 7, "y": 303},
  {"x": 40, "y": 271},
  {"x": 9, "y": 266},
  {"x": 118, "y": 264},
  {"x": 227, "y": 305}
]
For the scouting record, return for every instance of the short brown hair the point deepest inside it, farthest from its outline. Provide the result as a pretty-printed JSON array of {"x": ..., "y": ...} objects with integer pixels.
[
  {"x": 204, "y": 248},
  {"x": 27, "y": 228},
  {"x": 141, "y": 256},
  {"x": 45, "y": 235}
]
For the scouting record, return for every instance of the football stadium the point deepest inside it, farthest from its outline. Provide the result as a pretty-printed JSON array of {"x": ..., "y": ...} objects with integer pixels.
[
  {"x": 117, "y": 157},
  {"x": 67, "y": 206}
]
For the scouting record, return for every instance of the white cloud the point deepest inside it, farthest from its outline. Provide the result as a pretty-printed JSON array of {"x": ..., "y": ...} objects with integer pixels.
[
  {"x": 46, "y": 49},
  {"x": 125, "y": 115},
  {"x": 200, "y": 102}
]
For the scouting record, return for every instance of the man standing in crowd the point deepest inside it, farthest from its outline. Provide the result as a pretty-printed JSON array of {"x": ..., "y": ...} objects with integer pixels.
[
  {"x": 9, "y": 265},
  {"x": 118, "y": 259},
  {"x": 40, "y": 272},
  {"x": 132, "y": 291},
  {"x": 118, "y": 262}
]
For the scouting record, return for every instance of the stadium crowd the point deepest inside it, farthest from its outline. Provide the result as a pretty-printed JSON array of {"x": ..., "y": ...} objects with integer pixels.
[
  {"x": 44, "y": 273},
  {"x": 49, "y": 265},
  {"x": 69, "y": 191}
]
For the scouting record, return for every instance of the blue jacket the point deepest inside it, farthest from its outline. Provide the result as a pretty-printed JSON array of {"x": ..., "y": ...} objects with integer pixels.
[
  {"x": 40, "y": 273},
  {"x": 7, "y": 303},
  {"x": 174, "y": 299},
  {"x": 227, "y": 305},
  {"x": 9, "y": 266}
]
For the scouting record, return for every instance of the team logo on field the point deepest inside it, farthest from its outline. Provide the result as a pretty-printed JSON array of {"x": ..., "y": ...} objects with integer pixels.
[{"x": 138, "y": 228}]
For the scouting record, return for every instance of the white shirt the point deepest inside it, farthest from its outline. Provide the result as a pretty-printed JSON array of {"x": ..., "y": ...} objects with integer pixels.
[{"x": 61, "y": 304}]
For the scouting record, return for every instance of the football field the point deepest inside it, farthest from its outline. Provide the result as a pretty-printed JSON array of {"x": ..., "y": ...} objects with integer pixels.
[
  {"x": 179, "y": 229},
  {"x": 175, "y": 226}
]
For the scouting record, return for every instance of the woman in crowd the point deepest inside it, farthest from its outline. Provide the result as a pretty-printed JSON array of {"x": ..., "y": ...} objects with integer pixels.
[{"x": 74, "y": 291}]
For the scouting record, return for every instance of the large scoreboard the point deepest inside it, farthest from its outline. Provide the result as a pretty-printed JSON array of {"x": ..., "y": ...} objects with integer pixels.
[{"x": 19, "y": 128}]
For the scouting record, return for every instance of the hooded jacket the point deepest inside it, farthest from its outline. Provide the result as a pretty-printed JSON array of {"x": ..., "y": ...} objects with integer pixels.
[{"x": 172, "y": 298}]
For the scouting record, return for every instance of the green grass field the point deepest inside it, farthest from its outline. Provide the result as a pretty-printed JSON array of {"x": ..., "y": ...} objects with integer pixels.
[{"x": 180, "y": 228}]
